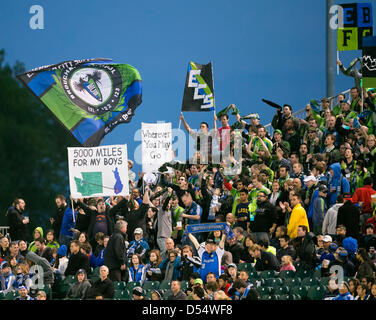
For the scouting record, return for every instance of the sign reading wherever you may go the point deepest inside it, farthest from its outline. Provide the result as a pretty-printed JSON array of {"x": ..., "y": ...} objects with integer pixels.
[
  {"x": 353, "y": 25},
  {"x": 89, "y": 97},
  {"x": 156, "y": 145},
  {"x": 199, "y": 88},
  {"x": 98, "y": 171}
]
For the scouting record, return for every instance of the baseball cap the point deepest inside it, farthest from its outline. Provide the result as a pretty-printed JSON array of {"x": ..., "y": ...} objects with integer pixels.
[
  {"x": 22, "y": 287},
  {"x": 345, "y": 283},
  {"x": 254, "y": 116},
  {"x": 310, "y": 178},
  {"x": 137, "y": 291},
  {"x": 342, "y": 254},
  {"x": 278, "y": 131},
  {"x": 209, "y": 241},
  {"x": 347, "y": 196},
  {"x": 5, "y": 265},
  {"x": 327, "y": 238},
  {"x": 333, "y": 247},
  {"x": 81, "y": 271},
  {"x": 232, "y": 265},
  {"x": 323, "y": 188},
  {"x": 198, "y": 281},
  {"x": 138, "y": 231}
]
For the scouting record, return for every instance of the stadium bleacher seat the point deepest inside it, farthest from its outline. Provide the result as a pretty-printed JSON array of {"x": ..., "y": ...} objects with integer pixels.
[
  {"x": 244, "y": 266},
  {"x": 119, "y": 285},
  {"x": 266, "y": 274},
  {"x": 272, "y": 282},
  {"x": 184, "y": 285},
  {"x": 253, "y": 275},
  {"x": 281, "y": 289},
  {"x": 11, "y": 295},
  {"x": 286, "y": 274},
  {"x": 300, "y": 290},
  {"x": 165, "y": 285},
  {"x": 132, "y": 284},
  {"x": 316, "y": 292},
  {"x": 309, "y": 281},
  {"x": 292, "y": 281},
  {"x": 151, "y": 285},
  {"x": 265, "y": 290},
  {"x": 122, "y": 295},
  {"x": 303, "y": 273}
]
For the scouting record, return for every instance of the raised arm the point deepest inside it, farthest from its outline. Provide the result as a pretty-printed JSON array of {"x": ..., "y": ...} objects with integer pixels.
[
  {"x": 194, "y": 240},
  {"x": 185, "y": 124}
]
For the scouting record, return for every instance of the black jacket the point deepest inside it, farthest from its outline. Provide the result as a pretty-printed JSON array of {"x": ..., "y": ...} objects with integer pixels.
[
  {"x": 267, "y": 261},
  {"x": 136, "y": 219},
  {"x": 348, "y": 215},
  {"x": 306, "y": 251},
  {"x": 289, "y": 251},
  {"x": 58, "y": 217},
  {"x": 103, "y": 288},
  {"x": 266, "y": 216},
  {"x": 17, "y": 229},
  {"x": 115, "y": 253},
  {"x": 76, "y": 262},
  {"x": 109, "y": 214}
]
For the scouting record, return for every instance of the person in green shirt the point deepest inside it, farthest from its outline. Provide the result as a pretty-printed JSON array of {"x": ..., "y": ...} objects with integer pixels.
[
  {"x": 347, "y": 113},
  {"x": 257, "y": 187},
  {"x": 177, "y": 219},
  {"x": 337, "y": 108}
]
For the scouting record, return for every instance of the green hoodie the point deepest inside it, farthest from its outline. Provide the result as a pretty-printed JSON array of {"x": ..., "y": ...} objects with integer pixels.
[{"x": 32, "y": 246}]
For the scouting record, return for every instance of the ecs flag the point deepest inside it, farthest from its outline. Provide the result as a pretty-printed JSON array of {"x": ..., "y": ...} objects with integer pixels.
[{"x": 199, "y": 88}]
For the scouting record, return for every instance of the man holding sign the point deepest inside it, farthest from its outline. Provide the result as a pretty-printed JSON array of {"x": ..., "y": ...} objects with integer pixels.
[{"x": 210, "y": 254}]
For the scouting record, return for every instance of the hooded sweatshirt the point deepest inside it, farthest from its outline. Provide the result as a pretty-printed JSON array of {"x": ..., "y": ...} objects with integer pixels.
[
  {"x": 32, "y": 246},
  {"x": 330, "y": 220},
  {"x": 78, "y": 289},
  {"x": 337, "y": 184}
]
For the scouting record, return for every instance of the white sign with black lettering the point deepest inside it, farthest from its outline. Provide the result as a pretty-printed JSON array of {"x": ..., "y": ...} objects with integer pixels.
[
  {"x": 156, "y": 145},
  {"x": 98, "y": 171}
]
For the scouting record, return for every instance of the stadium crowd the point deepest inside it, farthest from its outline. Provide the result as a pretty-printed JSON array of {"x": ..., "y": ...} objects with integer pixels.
[{"x": 300, "y": 212}]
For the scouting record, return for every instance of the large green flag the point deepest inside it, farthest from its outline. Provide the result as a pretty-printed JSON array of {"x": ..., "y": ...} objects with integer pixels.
[{"x": 89, "y": 97}]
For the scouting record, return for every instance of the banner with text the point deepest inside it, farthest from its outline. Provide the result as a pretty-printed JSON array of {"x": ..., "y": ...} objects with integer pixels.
[
  {"x": 354, "y": 23},
  {"x": 98, "y": 171},
  {"x": 199, "y": 88},
  {"x": 156, "y": 145}
]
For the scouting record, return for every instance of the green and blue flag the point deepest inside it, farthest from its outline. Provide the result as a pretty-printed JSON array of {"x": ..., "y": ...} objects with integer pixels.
[{"x": 89, "y": 97}]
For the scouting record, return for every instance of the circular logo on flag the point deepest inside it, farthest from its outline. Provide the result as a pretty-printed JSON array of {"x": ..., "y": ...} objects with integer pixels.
[{"x": 94, "y": 89}]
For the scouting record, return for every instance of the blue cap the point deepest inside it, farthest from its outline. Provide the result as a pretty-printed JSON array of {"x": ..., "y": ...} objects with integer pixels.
[{"x": 62, "y": 250}]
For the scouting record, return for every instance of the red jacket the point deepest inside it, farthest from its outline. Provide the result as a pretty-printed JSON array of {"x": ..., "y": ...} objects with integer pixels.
[{"x": 364, "y": 195}]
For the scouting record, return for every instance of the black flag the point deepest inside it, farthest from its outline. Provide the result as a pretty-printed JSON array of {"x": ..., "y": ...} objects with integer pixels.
[{"x": 199, "y": 88}]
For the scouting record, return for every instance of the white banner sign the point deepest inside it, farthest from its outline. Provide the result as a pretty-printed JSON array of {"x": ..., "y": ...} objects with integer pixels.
[
  {"x": 98, "y": 171},
  {"x": 156, "y": 145}
]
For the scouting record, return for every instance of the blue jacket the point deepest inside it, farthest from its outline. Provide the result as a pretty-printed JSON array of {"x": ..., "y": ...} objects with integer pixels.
[
  {"x": 337, "y": 182},
  {"x": 177, "y": 266},
  {"x": 97, "y": 261},
  {"x": 140, "y": 247},
  {"x": 137, "y": 275},
  {"x": 346, "y": 296},
  {"x": 68, "y": 222},
  {"x": 310, "y": 208}
]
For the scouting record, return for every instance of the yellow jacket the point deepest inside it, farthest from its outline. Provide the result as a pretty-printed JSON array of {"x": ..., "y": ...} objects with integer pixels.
[{"x": 298, "y": 218}]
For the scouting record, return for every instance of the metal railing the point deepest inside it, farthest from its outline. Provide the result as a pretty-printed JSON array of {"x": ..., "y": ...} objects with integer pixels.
[
  {"x": 301, "y": 114},
  {"x": 4, "y": 230}
]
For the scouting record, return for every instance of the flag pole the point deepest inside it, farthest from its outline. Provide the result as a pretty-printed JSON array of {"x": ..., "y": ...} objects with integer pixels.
[
  {"x": 337, "y": 63},
  {"x": 74, "y": 219}
]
